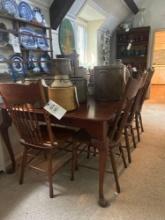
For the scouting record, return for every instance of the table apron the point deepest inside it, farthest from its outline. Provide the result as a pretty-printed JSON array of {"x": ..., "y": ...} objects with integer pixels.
[{"x": 96, "y": 129}]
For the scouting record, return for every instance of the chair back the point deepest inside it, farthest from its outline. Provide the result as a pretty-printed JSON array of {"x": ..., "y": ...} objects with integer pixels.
[
  {"x": 22, "y": 102},
  {"x": 137, "y": 99},
  {"x": 123, "y": 113},
  {"x": 142, "y": 97}
]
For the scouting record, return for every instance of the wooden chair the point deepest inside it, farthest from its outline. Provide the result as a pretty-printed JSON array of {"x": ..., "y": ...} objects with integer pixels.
[
  {"x": 140, "y": 102},
  {"x": 22, "y": 102},
  {"x": 120, "y": 121},
  {"x": 117, "y": 125},
  {"x": 129, "y": 125}
]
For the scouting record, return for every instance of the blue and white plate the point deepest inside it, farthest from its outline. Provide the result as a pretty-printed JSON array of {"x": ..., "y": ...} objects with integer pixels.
[
  {"x": 42, "y": 42},
  {"x": 17, "y": 67},
  {"x": 33, "y": 63},
  {"x": 27, "y": 38},
  {"x": 38, "y": 15},
  {"x": 45, "y": 63},
  {"x": 11, "y": 7},
  {"x": 25, "y": 11}
]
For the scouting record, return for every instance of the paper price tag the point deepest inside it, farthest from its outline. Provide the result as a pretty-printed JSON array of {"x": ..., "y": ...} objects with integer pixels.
[{"x": 55, "y": 109}]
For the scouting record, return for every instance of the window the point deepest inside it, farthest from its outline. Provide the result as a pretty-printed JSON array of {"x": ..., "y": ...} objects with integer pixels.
[{"x": 81, "y": 44}]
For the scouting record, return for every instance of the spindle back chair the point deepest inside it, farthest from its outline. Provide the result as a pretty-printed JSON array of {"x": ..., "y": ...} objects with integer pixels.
[{"x": 24, "y": 104}]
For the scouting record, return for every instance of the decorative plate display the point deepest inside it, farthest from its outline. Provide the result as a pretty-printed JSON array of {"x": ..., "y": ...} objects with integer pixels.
[
  {"x": 42, "y": 42},
  {"x": 38, "y": 16},
  {"x": 33, "y": 63},
  {"x": 27, "y": 38},
  {"x": 25, "y": 11},
  {"x": 45, "y": 63},
  {"x": 4, "y": 36},
  {"x": 11, "y": 7},
  {"x": 4, "y": 69},
  {"x": 17, "y": 67},
  {"x": 66, "y": 37}
]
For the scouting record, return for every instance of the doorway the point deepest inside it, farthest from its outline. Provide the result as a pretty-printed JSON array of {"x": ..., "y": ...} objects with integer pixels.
[{"x": 158, "y": 81}]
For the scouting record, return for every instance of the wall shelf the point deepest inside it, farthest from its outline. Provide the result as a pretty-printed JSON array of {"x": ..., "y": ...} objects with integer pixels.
[{"x": 17, "y": 23}]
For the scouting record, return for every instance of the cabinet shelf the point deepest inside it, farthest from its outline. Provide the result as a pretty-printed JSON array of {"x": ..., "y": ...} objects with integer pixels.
[
  {"x": 36, "y": 50},
  {"x": 19, "y": 34},
  {"x": 8, "y": 61},
  {"x": 32, "y": 23},
  {"x": 131, "y": 57},
  {"x": 143, "y": 43}
]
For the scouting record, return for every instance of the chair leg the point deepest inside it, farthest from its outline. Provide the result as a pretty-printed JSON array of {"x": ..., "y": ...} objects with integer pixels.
[
  {"x": 50, "y": 176},
  {"x": 137, "y": 126},
  {"x": 133, "y": 136},
  {"x": 114, "y": 170},
  {"x": 76, "y": 159},
  {"x": 123, "y": 157},
  {"x": 88, "y": 151},
  {"x": 127, "y": 144},
  {"x": 73, "y": 162},
  {"x": 23, "y": 164},
  {"x": 45, "y": 155},
  {"x": 94, "y": 153},
  {"x": 141, "y": 123}
]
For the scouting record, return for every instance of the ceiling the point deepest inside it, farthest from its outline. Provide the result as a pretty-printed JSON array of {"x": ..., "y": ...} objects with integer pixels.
[
  {"x": 115, "y": 11},
  {"x": 139, "y": 2},
  {"x": 88, "y": 13},
  {"x": 112, "y": 11}
]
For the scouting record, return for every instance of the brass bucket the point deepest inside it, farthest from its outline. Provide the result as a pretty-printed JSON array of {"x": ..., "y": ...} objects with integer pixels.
[{"x": 64, "y": 96}]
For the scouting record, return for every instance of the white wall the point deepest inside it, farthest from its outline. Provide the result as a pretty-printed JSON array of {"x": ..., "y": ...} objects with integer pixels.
[
  {"x": 116, "y": 12},
  {"x": 92, "y": 42}
]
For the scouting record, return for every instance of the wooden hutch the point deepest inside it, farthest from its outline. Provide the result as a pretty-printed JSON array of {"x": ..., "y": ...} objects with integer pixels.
[{"x": 132, "y": 47}]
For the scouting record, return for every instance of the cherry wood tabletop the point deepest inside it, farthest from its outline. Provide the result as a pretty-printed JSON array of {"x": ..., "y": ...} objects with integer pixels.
[{"x": 93, "y": 110}]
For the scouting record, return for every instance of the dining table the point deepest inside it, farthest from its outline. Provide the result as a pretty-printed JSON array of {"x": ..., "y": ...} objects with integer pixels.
[{"x": 93, "y": 116}]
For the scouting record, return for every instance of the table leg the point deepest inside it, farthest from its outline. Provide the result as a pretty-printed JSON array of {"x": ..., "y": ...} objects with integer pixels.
[
  {"x": 6, "y": 123},
  {"x": 103, "y": 152}
]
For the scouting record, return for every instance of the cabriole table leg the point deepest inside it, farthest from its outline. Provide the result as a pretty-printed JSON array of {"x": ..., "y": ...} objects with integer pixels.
[{"x": 102, "y": 167}]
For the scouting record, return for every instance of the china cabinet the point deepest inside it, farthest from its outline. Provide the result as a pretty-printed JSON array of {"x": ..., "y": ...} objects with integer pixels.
[{"x": 132, "y": 47}]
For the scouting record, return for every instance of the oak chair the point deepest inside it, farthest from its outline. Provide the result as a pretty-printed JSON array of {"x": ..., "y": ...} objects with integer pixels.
[
  {"x": 129, "y": 125},
  {"x": 140, "y": 102},
  {"x": 23, "y": 103},
  {"x": 117, "y": 125}
]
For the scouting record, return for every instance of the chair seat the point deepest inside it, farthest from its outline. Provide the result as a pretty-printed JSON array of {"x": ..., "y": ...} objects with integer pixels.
[{"x": 61, "y": 134}]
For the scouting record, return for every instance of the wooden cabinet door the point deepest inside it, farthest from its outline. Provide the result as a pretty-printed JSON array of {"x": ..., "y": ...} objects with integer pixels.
[{"x": 159, "y": 58}]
